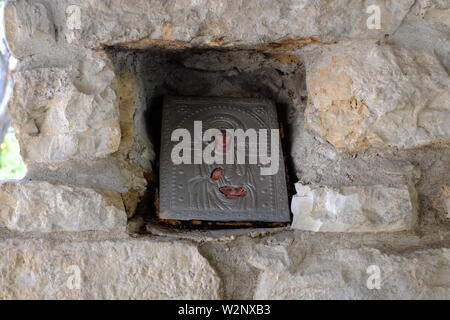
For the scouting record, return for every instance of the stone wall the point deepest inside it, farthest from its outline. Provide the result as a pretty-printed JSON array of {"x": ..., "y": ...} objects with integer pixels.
[{"x": 367, "y": 115}]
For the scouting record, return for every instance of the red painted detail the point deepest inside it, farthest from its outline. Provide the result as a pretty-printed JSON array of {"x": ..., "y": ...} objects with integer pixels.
[{"x": 233, "y": 192}]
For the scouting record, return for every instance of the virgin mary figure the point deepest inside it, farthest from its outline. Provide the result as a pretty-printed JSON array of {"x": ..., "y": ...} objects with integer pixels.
[{"x": 223, "y": 186}]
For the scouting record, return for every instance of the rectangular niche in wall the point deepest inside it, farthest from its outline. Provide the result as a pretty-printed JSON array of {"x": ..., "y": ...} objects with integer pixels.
[{"x": 221, "y": 161}]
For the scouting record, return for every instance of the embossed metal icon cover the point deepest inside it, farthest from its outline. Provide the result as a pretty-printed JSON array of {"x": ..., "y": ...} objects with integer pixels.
[{"x": 220, "y": 192}]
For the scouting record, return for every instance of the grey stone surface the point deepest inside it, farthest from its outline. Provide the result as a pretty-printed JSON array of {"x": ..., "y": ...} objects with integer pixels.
[
  {"x": 204, "y": 22},
  {"x": 30, "y": 27},
  {"x": 310, "y": 265},
  {"x": 365, "y": 94},
  {"x": 354, "y": 209},
  {"x": 427, "y": 27},
  {"x": 110, "y": 173},
  {"x": 389, "y": 87},
  {"x": 365, "y": 273},
  {"x": 121, "y": 269},
  {"x": 66, "y": 113},
  {"x": 31, "y": 206},
  {"x": 317, "y": 162}
]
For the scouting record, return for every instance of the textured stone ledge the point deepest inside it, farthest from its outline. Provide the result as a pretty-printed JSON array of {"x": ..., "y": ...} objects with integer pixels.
[
  {"x": 354, "y": 209},
  {"x": 31, "y": 25},
  {"x": 299, "y": 272},
  {"x": 155, "y": 269},
  {"x": 30, "y": 206},
  {"x": 125, "y": 269}
]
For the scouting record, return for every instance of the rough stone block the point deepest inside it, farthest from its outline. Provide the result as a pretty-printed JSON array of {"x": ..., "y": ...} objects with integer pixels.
[
  {"x": 44, "y": 207},
  {"x": 354, "y": 209},
  {"x": 66, "y": 113},
  {"x": 363, "y": 273},
  {"x": 29, "y": 28},
  {"x": 365, "y": 94},
  {"x": 254, "y": 22},
  {"x": 120, "y": 269}
]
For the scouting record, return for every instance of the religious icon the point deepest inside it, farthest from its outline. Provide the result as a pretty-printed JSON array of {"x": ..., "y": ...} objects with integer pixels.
[
  {"x": 223, "y": 186},
  {"x": 210, "y": 168}
]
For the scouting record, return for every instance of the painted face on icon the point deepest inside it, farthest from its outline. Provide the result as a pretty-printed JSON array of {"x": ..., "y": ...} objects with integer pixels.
[{"x": 222, "y": 141}]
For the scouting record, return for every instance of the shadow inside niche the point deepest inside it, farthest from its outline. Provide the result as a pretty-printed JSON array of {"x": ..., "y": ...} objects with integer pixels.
[{"x": 212, "y": 73}]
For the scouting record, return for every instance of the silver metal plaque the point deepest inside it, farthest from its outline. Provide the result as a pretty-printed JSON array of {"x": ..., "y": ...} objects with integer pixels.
[{"x": 231, "y": 191}]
